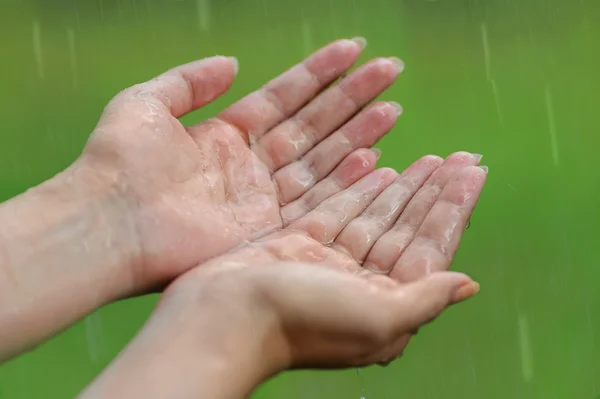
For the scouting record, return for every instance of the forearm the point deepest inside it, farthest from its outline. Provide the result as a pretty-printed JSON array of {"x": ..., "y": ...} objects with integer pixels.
[
  {"x": 62, "y": 248},
  {"x": 205, "y": 355}
]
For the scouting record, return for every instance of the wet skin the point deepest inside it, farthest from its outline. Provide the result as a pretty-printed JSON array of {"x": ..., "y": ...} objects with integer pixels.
[{"x": 289, "y": 166}]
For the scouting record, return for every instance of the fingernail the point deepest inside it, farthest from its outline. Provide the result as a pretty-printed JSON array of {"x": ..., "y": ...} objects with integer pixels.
[
  {"x": 360, "y": 41},
  {"x": 477, "y": 157},
  {"x": 485, "y": 169},
  {"x": 398, "y": 63},
  {"x": 377, "y": 152},
  {"x": 236, "y": 64},
  {"x": 397, "y": 106},
  {"x": 466, "y": 291}
]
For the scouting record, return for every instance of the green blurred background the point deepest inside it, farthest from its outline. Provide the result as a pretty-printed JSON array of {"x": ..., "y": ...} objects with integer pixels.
[{"x": 517, "y": 81}]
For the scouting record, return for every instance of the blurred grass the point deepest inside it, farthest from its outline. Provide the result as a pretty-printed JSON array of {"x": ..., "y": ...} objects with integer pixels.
[{"x": 532, "y": 244}]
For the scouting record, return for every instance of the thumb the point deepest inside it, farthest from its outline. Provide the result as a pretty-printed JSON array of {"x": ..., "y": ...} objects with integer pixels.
[
  {"x": 186, "y": 87},
  {"x": 422, "y": 301}
]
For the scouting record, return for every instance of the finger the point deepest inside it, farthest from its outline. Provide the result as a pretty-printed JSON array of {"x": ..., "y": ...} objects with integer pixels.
[
  {"x": 360, "y": 234},
  {"x": 436, "y": 242},
  {"x": 259, "y": 111},
  {"x": 418, "y": 303},
  {"x": 362, "y": 131},
  {"x": 325, "y": 222},
  {"x": 390, "y": 319},
  {"x": 181, "y": 89},
  {"x": 294, "y": 137},
  {"x": 355, "y": 166},
  {"x": 387, "y": 250}
]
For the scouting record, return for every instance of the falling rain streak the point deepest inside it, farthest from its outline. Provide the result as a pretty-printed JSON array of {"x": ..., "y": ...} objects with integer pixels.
[
  {"x": 72, "y": 56},
  {"x": 91, "y": 334},
  {"x": 37, "y": 49},
  {"x": 497, "y": 100},
  {"x": 486, "y": 51},
  {"x": 204, "y": 14},
  {"x": 488, "y": 69},
  {"x": 361, "y": 382},
  {"x": 525, "y": 346},
  {"x": 307, "y": 39},
  {"x": 552, "y": 125}
]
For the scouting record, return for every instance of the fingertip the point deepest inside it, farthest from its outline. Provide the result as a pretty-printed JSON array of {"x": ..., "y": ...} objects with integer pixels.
[
  {"x": 344, "y": 48},
  {"x": 398, "y": 63},
  {"x": 235, "y": 63},
  {"x": 376, "y": 152},
  {"x": 466, "y": 291},
  {"x": 433, "y": 160},
  {"x": 460, "y": 286},
  {"x": 461, "y": 156},
  {"x": 361, "y": 42},
  {"x": 361, "y": 161},
  {"x": 472, "y": 172},
  {"x": 397, "y": 107},
  {"x": 387, "y": 175}
]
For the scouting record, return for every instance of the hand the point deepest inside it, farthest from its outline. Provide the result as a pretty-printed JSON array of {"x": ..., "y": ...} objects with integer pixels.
[
  {"x": 405, "y": 227},
  {"x": 247, "y": 313},
  {"x": 253, "y": 322},
  {"x": 319, "y": 317},
  {"x": 195, "y": 192}
]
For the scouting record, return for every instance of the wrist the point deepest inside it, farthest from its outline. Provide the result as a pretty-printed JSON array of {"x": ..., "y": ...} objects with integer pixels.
[
  {"x": 112, "y": 232},
  {"x": 208, "y": 337},
  {"x": 64, "y": 251},
  {"x": 225, "y": 328}
]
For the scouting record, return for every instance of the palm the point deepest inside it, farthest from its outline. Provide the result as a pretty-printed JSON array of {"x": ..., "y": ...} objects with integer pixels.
[
  {"x": 257, "y": 167},
  {"x": 403, "y": 226},
  {"x": 385, "y": 227}
]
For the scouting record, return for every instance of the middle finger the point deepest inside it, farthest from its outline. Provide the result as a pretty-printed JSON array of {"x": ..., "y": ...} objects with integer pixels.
[{"x": 294, "y": 137}]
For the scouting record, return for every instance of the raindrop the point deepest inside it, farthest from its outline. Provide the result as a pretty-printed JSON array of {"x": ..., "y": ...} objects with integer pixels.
[
  {"x": 307, "y": 37},
  {"x": 37, "y": 49},
  {"x": 101, "y": 9},
  {"x": 361, "y": 382},
  {"x": 204, "y": 14},
  {"x": 486, "y": 51},
  {"x": 497, "y": 100},
  {"x": 92, "y": 323},
  {"x": 72, "y": 56},
  {"x": 552, "y": 125},
  {"x": 525, "y": 346}
]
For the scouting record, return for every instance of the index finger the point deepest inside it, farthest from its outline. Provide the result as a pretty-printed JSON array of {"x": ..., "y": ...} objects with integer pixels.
[
  {"x": 437, "y": 240},
  {"x": 279, "y": 99}
]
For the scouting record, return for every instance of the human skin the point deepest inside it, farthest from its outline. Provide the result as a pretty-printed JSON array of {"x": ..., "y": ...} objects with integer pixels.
[
  {"x": 149, "y": 198},
  {"x": 221, "y": 330},
  {"x": 301, "y": 298}
]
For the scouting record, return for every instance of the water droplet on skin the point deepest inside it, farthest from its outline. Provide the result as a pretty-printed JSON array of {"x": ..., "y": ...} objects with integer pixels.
[{"x": 304, "y": 177}]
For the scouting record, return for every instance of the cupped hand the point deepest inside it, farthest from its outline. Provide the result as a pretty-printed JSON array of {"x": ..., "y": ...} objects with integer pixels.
[
  {"x": 308, "y": 316},
  {"x": 344, "y": 285},
  {"x": 227, "y": 319},
  {"x": 192, "y": 193},
  {"x": 389, "y": 228}
]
